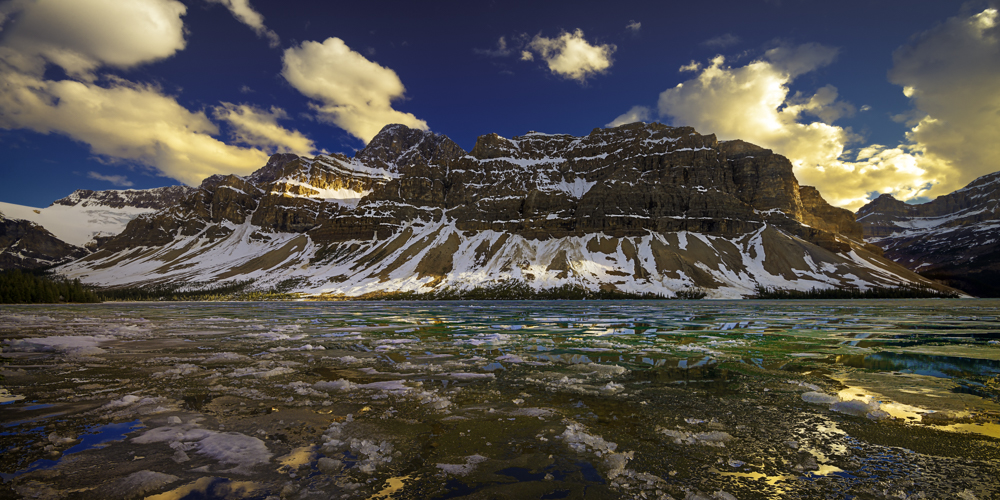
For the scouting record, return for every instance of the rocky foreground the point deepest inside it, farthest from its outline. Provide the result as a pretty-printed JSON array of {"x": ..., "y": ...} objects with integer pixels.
[{"x": 637, "y": 208}]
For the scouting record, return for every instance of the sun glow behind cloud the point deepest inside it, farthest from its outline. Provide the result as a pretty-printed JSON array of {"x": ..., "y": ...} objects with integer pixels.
[{"x": 951, "y": 74}]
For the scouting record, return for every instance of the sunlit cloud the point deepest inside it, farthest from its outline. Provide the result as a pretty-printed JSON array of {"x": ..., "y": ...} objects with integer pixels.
[
  {"x": 633, "y": 26},
  {"x": 245, "y": 13},
  {"x": 951, "y": 74},
  {"x": 353, "y": 93},
  {"x": 570, "y": 55},
  {"x": 120, "y": 121},
  {"x": 83, "y": 35}
]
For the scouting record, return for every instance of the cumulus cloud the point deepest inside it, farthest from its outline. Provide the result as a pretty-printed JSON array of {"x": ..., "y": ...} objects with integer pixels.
[
  {"x": 353, "y": 93},
  {"x": 258, "y": 127},
  {"x": 570, "y": 55},
  {"x": 636, "y": 114},
  {"x": 951, "y": 74},
  {"x": 722, "y": 41},
  {"x": 245, "y": 13},
  {"x": 82, "y": 35},
  {"x": 117, "y": 180},
  {"x": 118, "y": 119}
]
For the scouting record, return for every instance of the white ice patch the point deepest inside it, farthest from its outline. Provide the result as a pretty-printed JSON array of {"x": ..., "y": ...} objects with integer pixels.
[
  {"x": 240, "y": 451},
  {"x": 462, "y": 469}
]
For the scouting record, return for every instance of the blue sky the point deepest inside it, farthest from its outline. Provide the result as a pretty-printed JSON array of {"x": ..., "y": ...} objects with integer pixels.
[{"x": 103, "y": 94}]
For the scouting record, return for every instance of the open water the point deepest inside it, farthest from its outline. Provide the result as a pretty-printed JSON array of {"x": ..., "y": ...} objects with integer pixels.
[{"x": 564, "y": 399}]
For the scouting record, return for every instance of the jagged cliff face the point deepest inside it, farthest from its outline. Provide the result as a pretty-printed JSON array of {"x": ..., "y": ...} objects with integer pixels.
[
  {"x": 636, "y": 208},
  {"x": 953, "y": 238}
]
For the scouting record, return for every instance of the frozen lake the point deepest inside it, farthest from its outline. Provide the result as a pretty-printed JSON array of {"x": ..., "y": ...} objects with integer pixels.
[{"x": 660, "y": 399}]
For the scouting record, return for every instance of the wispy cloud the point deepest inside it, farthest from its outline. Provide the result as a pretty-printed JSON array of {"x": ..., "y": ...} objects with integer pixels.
[
  {"x": 259, "y": 128},
  {"x": 722, "y": 41},
  {"x": 245, "y": 13},
  {"x": 117, "y": 180}
]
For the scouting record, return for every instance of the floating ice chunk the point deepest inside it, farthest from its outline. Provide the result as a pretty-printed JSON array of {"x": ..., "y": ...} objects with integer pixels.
[
  {"x": 335, "y": 385},
  {"x": 695, "y": 421},
  {"x": 600, "y": 371},
  {"x": 225, "y": 357},
  {"x": 253, "y": 372},
  {"x": 178, "y": 371},
  {"x": 136, "y": 485},
  {"x": 470, "y": 464},
  {"x": 78, "y": 345},
  {"x": 60, "y": 440},
  {"x": 240, "y": 451},
  {"x": 712, "y": 438},
  {"x": 616, "y": 462},
  {"x": 578, "y": 440},
  {"x": 612, "y": 388},
  {"x": 471, "y": 376},
  {"x": 330, "y": 466},
  {"x": 856, "y": 407},
  {"x": 387, "y": 385},
  {"x": 511, "y": 358},
  {"x": 174, "y": 420},
  {"x": 819, "y": 398},
  {"x": 486, "y": 339},
  {"x": 811, "y": 387},
  {"x": 374, "y": 454},
  {"x": 347, "y": 360},
  {"x": 736, "y": 463}
]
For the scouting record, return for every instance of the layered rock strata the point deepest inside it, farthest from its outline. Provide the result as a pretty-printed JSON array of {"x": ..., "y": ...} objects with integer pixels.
[{"x": 641, "y": 207}]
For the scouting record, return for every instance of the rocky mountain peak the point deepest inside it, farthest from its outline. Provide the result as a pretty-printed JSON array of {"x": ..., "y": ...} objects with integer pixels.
[
  {"x": 274, "y": 168},
  {"x": 491, "y": 146},
  {"x": 155, "y": 198},
  {"x": 398, "y": 145}
]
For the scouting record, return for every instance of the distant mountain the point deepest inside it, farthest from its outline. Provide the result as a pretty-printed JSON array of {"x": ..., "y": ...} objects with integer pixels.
[
  {"x": 74, "y": 226},
  {"x": 637, "y": 208},
  {"x": 954, "y": 238}
]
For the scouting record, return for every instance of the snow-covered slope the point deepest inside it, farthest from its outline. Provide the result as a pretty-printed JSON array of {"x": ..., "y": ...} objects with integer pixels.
[
  {"x": 83, "y": 216},
  {"x": 637, "y": 208},
  {"x": 76, "y": 225}
]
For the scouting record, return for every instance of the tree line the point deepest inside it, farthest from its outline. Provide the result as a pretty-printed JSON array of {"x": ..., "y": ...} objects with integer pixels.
[{"x": 18, "y": 287}]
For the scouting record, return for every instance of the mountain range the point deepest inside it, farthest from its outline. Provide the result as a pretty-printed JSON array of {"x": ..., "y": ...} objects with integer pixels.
[{"x": 637, "y": 208}]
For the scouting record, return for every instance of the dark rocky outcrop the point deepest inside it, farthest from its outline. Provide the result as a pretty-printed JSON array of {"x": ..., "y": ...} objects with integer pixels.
[{"x": 26, "y": 245}]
